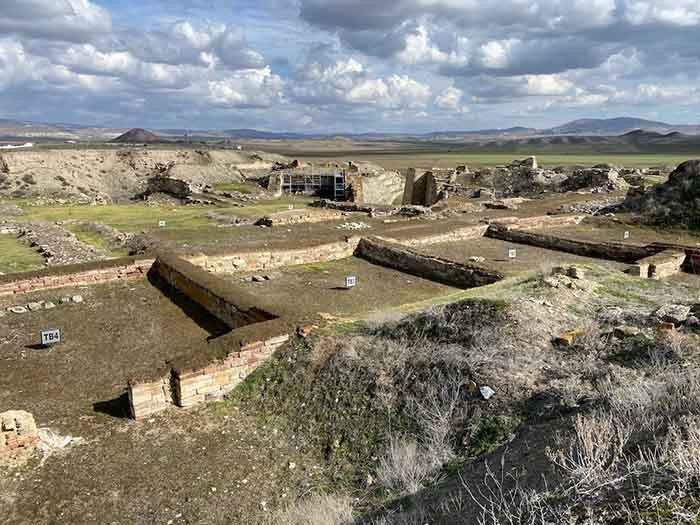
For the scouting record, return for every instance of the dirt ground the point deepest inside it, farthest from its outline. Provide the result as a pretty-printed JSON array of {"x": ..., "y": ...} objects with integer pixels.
[
  {"x": 603, "y": 229},
  {"x": 496, "y": 253},
  {"x": 119, "y": 331},
  {"x": 320, "y": 288},
  {"x": 210, "y": 465}
]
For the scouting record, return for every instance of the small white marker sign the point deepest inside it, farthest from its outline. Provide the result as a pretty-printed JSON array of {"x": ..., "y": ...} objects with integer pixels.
[
  {"x": 161, "y": 224},
  {"x": 626, "y": 235},
  {"x": 512, "y": 253},
  {"x": 50, "y": 337},
  {"x": 291, "y": 206},
  {"x": 350, "y": 281}
]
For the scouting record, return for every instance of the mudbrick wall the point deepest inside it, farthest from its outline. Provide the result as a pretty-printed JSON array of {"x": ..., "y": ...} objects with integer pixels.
[
  {"x": 230, "y": 359},
  {"x": 602, "y": 250},
  {"x": 269, "y": 259},
  {"x": 222, "y": 299},
  {"x": 434, "y": 268},
  {"x": 75, "y": 275},
  {"x": 543, "y": 221},
  {"x": 460, "y": 234},
  {"x": 17, "y": 432}
]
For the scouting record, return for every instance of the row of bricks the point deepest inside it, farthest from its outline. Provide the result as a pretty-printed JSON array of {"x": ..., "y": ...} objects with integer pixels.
[
  {"x": 46, "y": 283},
  {"x": 15, "y": 442}
]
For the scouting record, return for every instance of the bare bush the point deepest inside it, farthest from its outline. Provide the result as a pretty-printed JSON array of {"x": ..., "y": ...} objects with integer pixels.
[
  {"x": 406, "y": 467},
  {"x": 592, "y": 458},
  {"x": 502, "y": 500},
  {"x": 436, "y": 413},
  {"x": 320, "y": 509}
]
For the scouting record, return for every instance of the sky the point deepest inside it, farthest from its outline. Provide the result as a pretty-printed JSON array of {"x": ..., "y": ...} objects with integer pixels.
[{"x": 348, "y": 65}]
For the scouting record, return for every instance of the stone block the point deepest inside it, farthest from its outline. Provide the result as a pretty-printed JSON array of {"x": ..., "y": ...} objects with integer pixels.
[{"x": 568, "y": 338}]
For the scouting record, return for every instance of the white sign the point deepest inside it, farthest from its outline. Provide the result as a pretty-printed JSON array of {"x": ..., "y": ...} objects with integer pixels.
[
  {"x": 161, "y": 224},
  {"x": 291, "y": 206},
  {"x": 350, "y": 281},
  {"x": 512, "y": 253},
  {"x": 50, "y": 337},
  {"x": 626, "y": 235}
]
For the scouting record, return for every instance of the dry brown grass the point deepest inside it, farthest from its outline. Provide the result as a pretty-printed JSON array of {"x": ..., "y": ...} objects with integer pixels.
[{"x": 319, "y": 509}]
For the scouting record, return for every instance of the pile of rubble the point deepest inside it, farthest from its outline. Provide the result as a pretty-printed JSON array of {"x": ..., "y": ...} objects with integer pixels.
[
  {"x": 675, "y": 202},
  {"x": 353, "y": 226},
  {"x": 18, "y": 436},
  {"x": 43, "y": 305},
  {"x": 597, "y": 207},
  {"x": 598, "y": 179},
  {"x": 57, "y": 245}
]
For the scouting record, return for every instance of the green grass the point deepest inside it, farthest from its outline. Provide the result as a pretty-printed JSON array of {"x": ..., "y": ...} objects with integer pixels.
[
  {"x": 241, "y": 187},
  {"x": 17, "y": 257},
  {"x": 138, "y": 217},
  {"x": 88, "y": 236}
]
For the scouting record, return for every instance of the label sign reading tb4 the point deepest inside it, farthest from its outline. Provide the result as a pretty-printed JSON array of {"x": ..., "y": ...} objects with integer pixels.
[
  {"x": 350, "y": 281},
  {"x": 50, "y": 337}
]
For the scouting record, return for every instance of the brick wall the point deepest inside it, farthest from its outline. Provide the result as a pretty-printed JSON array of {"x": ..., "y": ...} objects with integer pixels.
[
  {"x": 225, "y": 301},
  {"x": 269, "y": 259},
  {"x": 460, "y": 234},
  {"x": 602, "y": 250},
  {"x": 429, "y": 267},
  {"x": 219, "y": 378},
  {"x": 186, "y": 387},
  {"x": 18, "y": 432},
  {"x": 543, "y": 221},
  {"x": 75, "y": 275}
]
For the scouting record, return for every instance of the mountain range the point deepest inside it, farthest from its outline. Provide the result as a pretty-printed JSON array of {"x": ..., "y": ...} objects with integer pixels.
[{"x": 26, "y": 130}]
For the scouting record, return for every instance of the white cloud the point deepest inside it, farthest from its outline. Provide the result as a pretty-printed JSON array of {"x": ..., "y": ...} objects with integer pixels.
[
  {"x": 546, "y": 85},
  {"x": 420, "y": 49},
  {"x": 673, "y": 12},
  {"x": 247, "y": 88},
  {"x": 67, "y": 20},
  {"x": 451, "y": 99}
]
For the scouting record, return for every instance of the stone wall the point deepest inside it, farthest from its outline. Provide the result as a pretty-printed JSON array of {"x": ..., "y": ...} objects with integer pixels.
[
  {"x": 304, "y": 216},
  {"x": 381, "y": 188},
  {"x": 460, "y": 234},
  {"x": 434, "y": 268},
  {"x": 270, "y": 259},
  {"x": 601, "y": 250},
  {"x": 225, "y": 301},
  {"x": 663, "y": 264},
  {"x": 75, "y": 275},
  {"x": 533, "y": 223}
]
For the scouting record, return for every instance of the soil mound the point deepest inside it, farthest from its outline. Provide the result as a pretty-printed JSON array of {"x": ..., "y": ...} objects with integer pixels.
[
  {"x": 674, "y": 203},
  {"x": 137, "y": 135}
]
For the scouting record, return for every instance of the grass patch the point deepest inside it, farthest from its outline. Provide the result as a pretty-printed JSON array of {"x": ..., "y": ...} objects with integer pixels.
[
  {"x": 489, "y": 433},
  {"x": 17, "y": 257},
  {"x": 85, "y": 234},
  {"x": 246, "y": 188}
]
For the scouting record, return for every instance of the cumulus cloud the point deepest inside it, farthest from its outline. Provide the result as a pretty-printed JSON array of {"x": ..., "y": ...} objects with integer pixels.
[
  {"x": 347, "y": 81},
  {"x": 247, "y": 88},
  {"x": 369, "y": 64},
  {"x": 68, "y": 20}
]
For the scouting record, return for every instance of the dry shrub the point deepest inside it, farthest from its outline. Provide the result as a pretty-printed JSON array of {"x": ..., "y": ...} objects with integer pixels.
[
  {"x": 502, "y": 500},
  {"x": 592, "y": 458},
  {"x": 319, "y": 509},
  {"x": 406, "y": 467}
]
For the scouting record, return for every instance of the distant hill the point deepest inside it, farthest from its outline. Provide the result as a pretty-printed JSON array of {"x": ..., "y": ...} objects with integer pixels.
[
  {"x": 137, "y": 136},
  {"x": 612, "y": 126}
]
